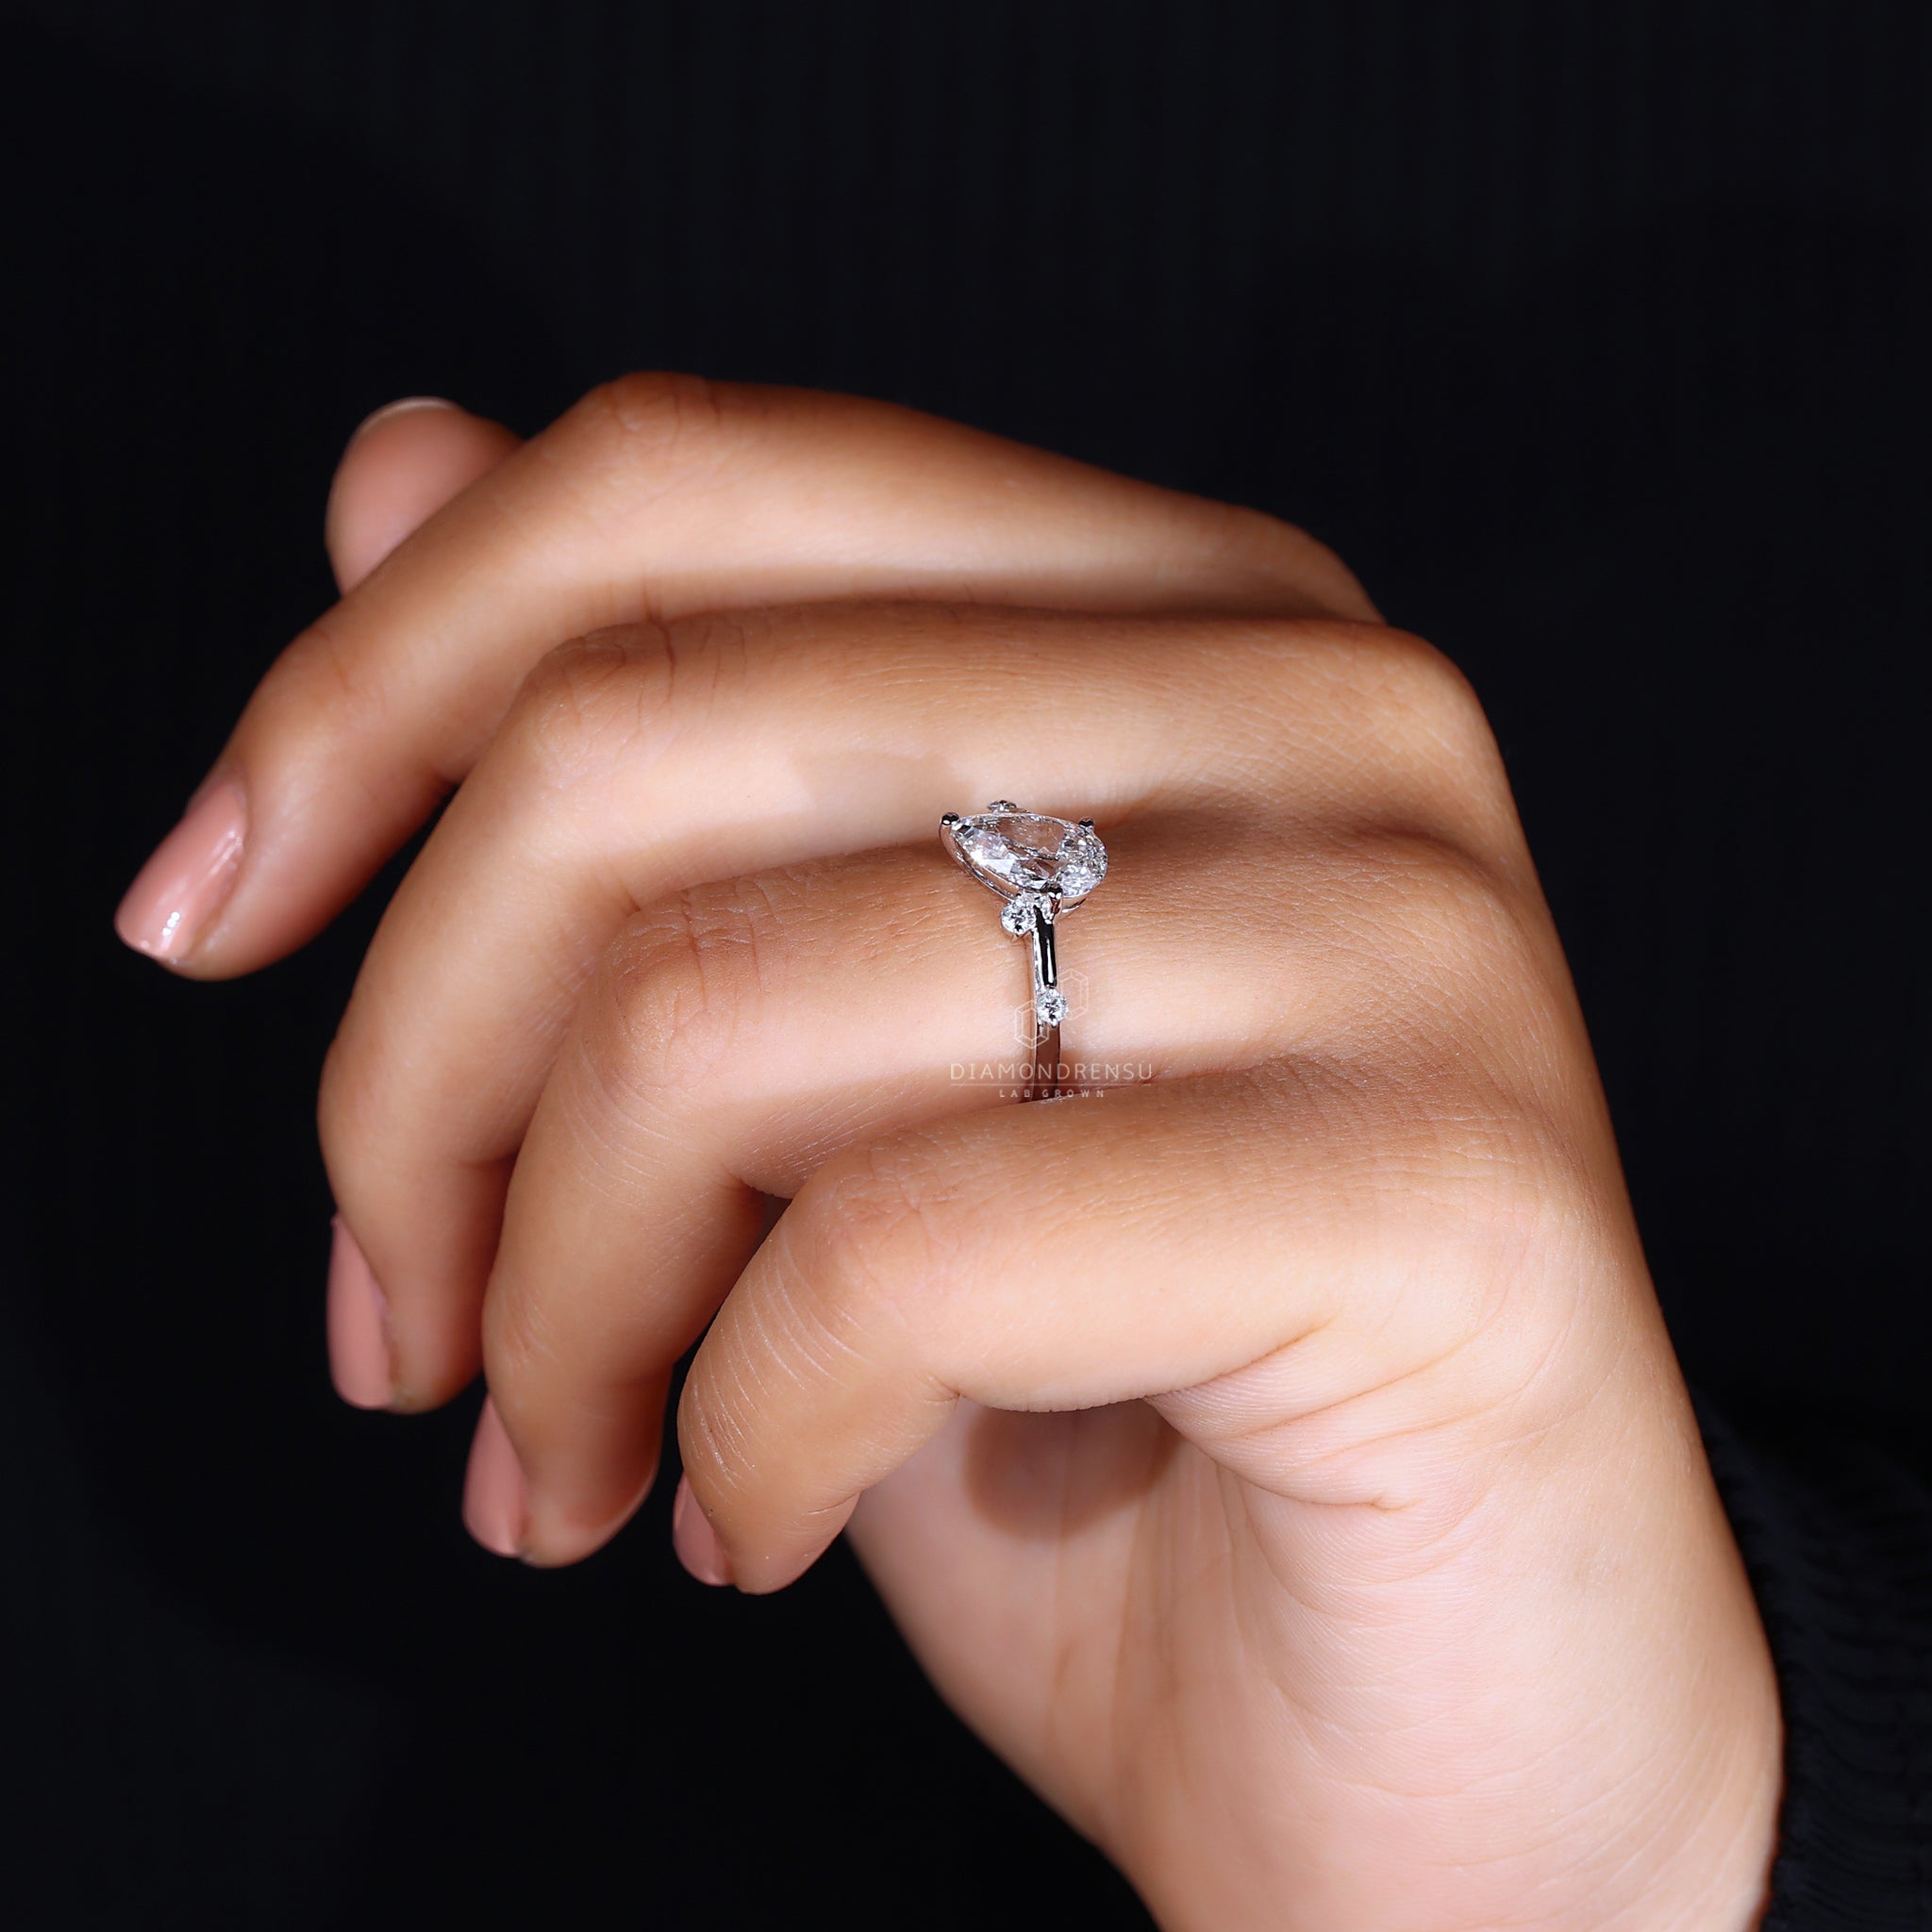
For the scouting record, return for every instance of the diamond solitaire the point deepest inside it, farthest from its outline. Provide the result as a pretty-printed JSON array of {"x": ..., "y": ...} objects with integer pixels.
[
  {"x": 1017, "y": 851},
  {"x": 1042, "y": 867}
]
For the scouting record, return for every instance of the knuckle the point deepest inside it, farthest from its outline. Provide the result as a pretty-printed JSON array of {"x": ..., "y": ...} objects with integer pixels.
[
  {"x": 1281, "y": 557},
  {"x": 1445, "y": 973},
  {"x": 666, "y": 1010},
  {"x": 1433, "y": 897},
  {"x": 1418, "y": 929},
  {"x": 1508, "y": 1186},
  {"x": 659, "y": 405},
  {"x": 320, "y": 676},
  {"x": 676, "y": 988},
  {"x": 863, "y": 1247},
  {"x": 1493, "y": 1296},
  {"x": 1426, "y": 702},
  {"x": 1400, "y": 694},
  {"x": 1464, "y": 1200},
  {"x": 1469, "y": 1223},
  {"x": 1385, "y": 740},
  {"x": 581, "y": 707},
  {"x": 839, "y": 1299},
  {"x": 655, "y": 428},
  {"x": 600, "y": 703}
]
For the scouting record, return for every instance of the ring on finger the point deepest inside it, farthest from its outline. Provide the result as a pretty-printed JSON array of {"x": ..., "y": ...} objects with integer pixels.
[{"x": 1042, "y": 868}]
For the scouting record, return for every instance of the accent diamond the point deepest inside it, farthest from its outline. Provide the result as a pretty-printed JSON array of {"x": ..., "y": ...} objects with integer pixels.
[
  {"x": 1017, "y": 915},
  {"x": 1033, "y": 853},
  {"x": 1051, "y": 1005}
]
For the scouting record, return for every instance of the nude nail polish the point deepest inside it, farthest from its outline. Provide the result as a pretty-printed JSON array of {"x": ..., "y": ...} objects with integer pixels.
[
  {"x": 358, "y": 1325},
  {"x": 403, "y": 405},
  {"x": 178, "y": 892},
  {"x": 696, "y": 1542},
  {"x": 496, "y": 1499}
]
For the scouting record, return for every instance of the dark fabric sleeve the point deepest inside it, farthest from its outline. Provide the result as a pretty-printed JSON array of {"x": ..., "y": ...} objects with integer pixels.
[{"x": 1838, "y": 1544}]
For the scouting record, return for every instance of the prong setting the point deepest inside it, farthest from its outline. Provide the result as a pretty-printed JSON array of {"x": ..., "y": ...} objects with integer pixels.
[{"x": 1010, "y": 851}]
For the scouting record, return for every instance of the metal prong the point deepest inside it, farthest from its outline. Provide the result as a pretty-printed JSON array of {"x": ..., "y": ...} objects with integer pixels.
[
  {"x": 1086, "y": 825},
  {"x": 949, "y": 818},
  {"x": 1002, "y": 804}
]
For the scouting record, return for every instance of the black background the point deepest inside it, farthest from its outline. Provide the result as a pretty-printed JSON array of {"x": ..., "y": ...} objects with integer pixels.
[{"x": 1594, "y": 336}]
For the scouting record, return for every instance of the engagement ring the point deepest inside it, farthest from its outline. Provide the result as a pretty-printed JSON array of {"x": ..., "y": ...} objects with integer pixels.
[{"x": 1042, "y": 868}]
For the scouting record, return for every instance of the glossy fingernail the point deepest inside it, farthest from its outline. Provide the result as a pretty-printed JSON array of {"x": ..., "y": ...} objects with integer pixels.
[
  {"x": 358, "y": 1325},
  {"x": 179, "y": 890},
  {"x": 401, "y": 406},
  {"x": 694, "y": 1540},
  {"x": 496, "y": 1499}
]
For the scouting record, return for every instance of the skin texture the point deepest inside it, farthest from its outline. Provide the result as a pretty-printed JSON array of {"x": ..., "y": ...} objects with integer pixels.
[{"x": 1280, "y": 1461}]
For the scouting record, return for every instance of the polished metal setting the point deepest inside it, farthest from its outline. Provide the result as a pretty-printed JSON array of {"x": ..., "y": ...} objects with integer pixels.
[{"x": 1041, "y": 868}]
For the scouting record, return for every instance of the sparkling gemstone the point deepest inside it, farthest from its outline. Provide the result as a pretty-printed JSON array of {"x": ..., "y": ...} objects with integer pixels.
[
  {"x": 1051, "y": 1005},
  {"x": 1032, "y": 853},
  {"x": 1017, "y": 915}
]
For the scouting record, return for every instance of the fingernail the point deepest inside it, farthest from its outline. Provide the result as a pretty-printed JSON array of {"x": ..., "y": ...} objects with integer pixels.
[
  {"x": 358, "y": 1325},
  {"x": 402, "y": 406},
  {"x": 187, "y": 881},
  {"x": 497, "y": 1500},
  {"x": 694, "y": 1540}
]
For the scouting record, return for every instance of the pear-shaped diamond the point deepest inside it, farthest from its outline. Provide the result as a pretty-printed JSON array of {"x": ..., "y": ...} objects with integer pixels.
[{"x": 1025, "y": 852}]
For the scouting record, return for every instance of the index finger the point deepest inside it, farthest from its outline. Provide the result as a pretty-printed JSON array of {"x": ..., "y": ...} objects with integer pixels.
[{"x": 655, "y": 496}]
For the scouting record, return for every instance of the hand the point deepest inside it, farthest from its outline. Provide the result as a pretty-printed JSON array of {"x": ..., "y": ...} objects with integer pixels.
[{"x": 1281, "y": 1463}]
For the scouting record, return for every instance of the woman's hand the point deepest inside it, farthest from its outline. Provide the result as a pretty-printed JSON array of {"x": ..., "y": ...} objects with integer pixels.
[{"x": 1281, "y": 1461}]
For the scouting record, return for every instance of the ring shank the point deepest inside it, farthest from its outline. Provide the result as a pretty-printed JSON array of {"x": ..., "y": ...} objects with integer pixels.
[{"x": 1047, "y": 1077}]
